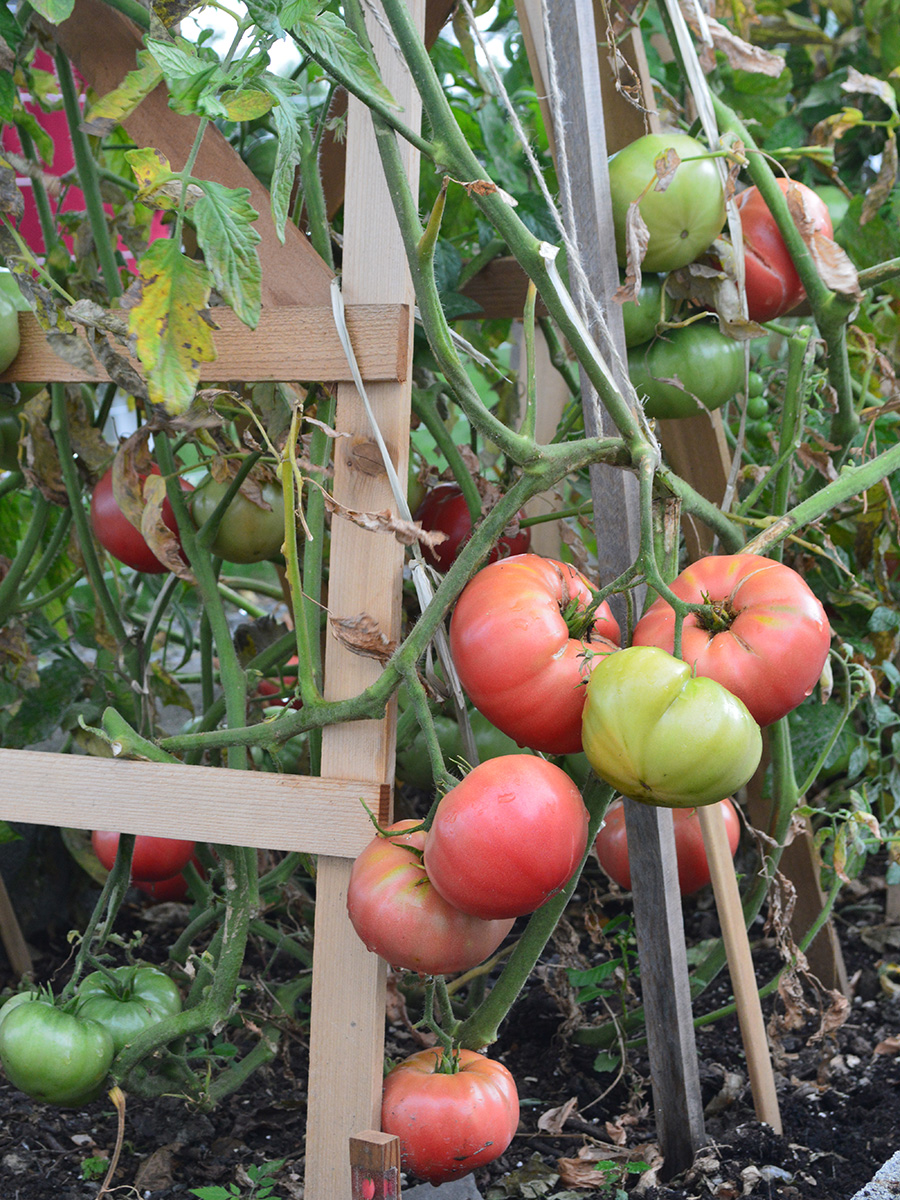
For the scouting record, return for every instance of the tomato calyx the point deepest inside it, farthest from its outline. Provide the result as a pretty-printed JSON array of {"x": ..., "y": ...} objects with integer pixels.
[{"x": 716, "y": 616}]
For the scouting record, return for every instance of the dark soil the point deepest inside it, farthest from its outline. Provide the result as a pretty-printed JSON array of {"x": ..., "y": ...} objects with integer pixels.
[{"x": 839, "y": 1094}]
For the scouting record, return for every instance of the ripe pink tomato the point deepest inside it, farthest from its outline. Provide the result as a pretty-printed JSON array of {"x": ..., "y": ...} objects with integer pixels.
[
  {"x": 611, "y": 845},
  {"x": 154, "y": 858},
  {"x": 449, "y": 1122},
  {"x": 401, "y": 916},
  {"x": 516, "y": 655},
  {"x": 507, "y": 838},
  {"x": 116, "y": 533},
  {"x": 768, "y": 640},
  {"x": 444, "y": 510},
  {"x": 773, "y": 285}
]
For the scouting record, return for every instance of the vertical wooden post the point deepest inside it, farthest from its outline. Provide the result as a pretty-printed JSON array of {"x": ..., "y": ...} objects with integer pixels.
[
  {"x": 348, "y": 998},
  {"x": 374, "y": 1166}
]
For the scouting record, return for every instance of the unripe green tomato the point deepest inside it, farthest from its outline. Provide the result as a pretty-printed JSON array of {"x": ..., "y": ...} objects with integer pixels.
[
  {"x": 664, "y": 736},
  {"x": 686, "y": 217},
  {"x": 686, "y": 370},
  {"x": 9, "y": 336},
  {"x": 53, "y": 1056},
  {"x": 246, "y": 533},
  {"x": 642, "y": 315},
  {"x": 756, "y": 385},
  {"x": 757, "y": 408},
  {"x": 10, "y": 428}
]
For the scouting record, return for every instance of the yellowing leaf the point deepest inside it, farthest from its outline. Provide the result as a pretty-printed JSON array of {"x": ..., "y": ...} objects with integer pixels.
[
  {"x": 125, "y": 98},
  {"x": 247, "y": 104},
  {"x": 173, "y": 334},
  {"x": 152, "y": 171}
]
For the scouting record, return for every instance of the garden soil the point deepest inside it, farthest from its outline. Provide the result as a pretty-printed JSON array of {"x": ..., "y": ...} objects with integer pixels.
[{"x": 583, "y": 1133}]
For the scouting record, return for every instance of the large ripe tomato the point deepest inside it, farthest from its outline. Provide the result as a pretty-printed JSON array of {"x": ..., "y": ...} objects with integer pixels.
[
  {"x": 517, "y": 659},
  {"x": 766, "y": 641},
  {"x": 444, "y": 510},
  {"x": 116, "y": 533},
  {"x": 401, "y": 916},
  {"x": 247, "y": 532},
  {"x": 449, "y": 1123},
  {"x": 684, "y": 218},
  {"x": 127, "y": 1000},
  {"x": 507, "y": 838},
  {"x": 773, "y": 285},
  {"x": 52, "y": 1055},
  {"x": 154, "y": 858},
  {"x": 687, "y": 371},
  {"x": 611, "y": 845},
  {"x": 664, "y": 736}
]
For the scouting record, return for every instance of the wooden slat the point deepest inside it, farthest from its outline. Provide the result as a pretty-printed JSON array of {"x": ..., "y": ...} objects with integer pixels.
[
  {"x": 208, "y": 804},
  {"x": 291, "y": 342},
  {"x": 374, "y": 1166},
  {"x": 348, "y": 997},
  {"x": 103, "y": 44}
]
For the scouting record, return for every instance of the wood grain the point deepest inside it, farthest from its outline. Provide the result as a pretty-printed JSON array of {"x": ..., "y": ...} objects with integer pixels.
[
  {"x": 207, "y": 804},
  {"x": 291, "y": 342}
]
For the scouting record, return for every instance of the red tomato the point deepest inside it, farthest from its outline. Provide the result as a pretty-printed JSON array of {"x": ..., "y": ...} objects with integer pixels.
[
  {"x": 769, "y": 638},
  {"x": 507, "y": 838},
  {"x": 773, "y": 285},
  {"x": 116, "y": 534},
  {"x": 444, "y": 510},
  {"x": 164, "y": 889},
  {"x": 611, "y": 845},
  {"x": 154, "y": 858},
  {"x": 272, "y": 690},
  {"x": 401, "y": 916},
  {"x": 516, "y": 656},
  {"x": 449, "y": 1123}
]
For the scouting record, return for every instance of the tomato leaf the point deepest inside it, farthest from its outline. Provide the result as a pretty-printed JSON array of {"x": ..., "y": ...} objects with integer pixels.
[
  {"x": 191, "y": 81},
  {"x": 223, "y": 218},
  {"x": 338, "y": 50},
  {"x": 173, "y": 334},
  {"x": 124, "y": 99},
  {"x": 54, "y": 11}
]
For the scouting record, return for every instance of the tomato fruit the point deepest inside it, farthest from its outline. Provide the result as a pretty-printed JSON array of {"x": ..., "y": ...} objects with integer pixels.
[
  {"x": 247, "y": 532},
  {"x": 766, "y": 639},
  {"x": 773, "y": 285},
  {"x": 449, "y": 1123},
  {"x": 401, "y": 916},
  {"x": 10, "y": 431},
  {"x": 664, "y": 736},
  {"x": 687, "y": 371},
  {"x": 507, "y": 838},
  {"x": 519, "y": 661},
  {"x": 154, "y": 858},
  {"x": 414, "y": 765},
  {"x": 53, "y": 1055},
  {"x": 11, "y": 303},
  {"x": 127, "y": 1001},
  {"x": 611, "y": 845},
  {"x": 643, "y": 314},
  {"x": 116, "y": 533},
  {"x": 685, "y": 218},
  {"x": 444, "y": 510}
]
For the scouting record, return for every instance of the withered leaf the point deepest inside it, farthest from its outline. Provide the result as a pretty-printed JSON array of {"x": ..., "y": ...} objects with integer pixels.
[
  {"x": 362, "y": 635},
  {"x": 553, "y": 1119},
  {"x": 159, "y": 537},
  {"x": 881, "y": 189},
  {"x": 637, "y": 239},
  {"x": 743, "y": 55},
  {"x": 665, "y": 165},
  {"x": 406, "y": 532}
]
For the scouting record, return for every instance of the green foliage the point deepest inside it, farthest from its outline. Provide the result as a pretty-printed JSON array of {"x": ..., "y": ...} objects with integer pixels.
[{"x": 260, "y": 1182}]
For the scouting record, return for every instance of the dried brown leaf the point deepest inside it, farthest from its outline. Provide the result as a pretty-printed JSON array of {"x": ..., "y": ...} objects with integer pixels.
[
  {"x": 157, "y": 1171},
  {"x": 553, "y": 1119},
  {"x": 665, "y": 165},
  {"x": 743, "y": 55},
  {"x": 362, "y": 635},
  {"x": 857, "y": 82},
  {"x": 637, "y": 239},
  {"x": 406, "y": 532},
  {"x": 819, "y": 460},
  {"x": 881, "y": 189},
  {"x": 833, "y": 1017},
  {"x": 890, "y": 1045},
  {"x": 159, "y": 537},
  {"x": 582, "y": 1170}
]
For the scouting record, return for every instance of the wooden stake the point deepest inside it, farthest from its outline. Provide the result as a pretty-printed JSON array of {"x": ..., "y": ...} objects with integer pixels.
[
  {"x": 13, "y": 940},
  {"x": 374, "y": 1166},
  {"x": 740, "y": 965}
]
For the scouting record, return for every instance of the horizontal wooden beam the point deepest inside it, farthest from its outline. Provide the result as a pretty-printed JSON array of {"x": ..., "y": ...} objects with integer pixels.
[
  {"x": 295, "y": 342},
  {"x": 205, "y": 804}
]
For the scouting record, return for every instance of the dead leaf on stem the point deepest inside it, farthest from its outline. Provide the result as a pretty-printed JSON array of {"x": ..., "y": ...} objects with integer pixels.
[
  {"x": 362, "y": 635},
  {"x": 406, "y": 532}
]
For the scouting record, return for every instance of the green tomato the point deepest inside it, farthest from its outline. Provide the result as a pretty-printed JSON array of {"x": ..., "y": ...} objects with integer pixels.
[
  {"x": 643, "y": 315},
  {"x": 684, "y": 218},
  {"x": 12, "y": 303},
  {"x": 756, "y": 385},
  {"x": 53, "y": 1055},
  {"x": 687, "y": 370},
  {"x": 246, "y": 533},
  {"x": 10, "y": 429},
  {"x": 129, "y": 1002},
  {"x": 757, "y": 408},
  {"x": 664, "y": 736},
  {"x": 13, "y": 1003}
]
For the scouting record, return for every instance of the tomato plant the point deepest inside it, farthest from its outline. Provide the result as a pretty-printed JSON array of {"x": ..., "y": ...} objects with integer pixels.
[
  {"x": 685, "y": 217},
  {"x": 247, "y": 532},
  {"x": 523, "y": 646},
  {"x": 154, "y": 858},
  {"x": 664, "y": 736},
  {"x": 53, "y": 1055},
  {"x": 400, "y": 915},
  {"x": 414, "y": 765},
  {"x": 611, "y": 845},
  {"x": 507, "y": 838},
  {"x": 126, "y": 1000},
  {"x": 116, "y": 533},
  {"x": 773, "y": 285},
  {"x": 444, "y": 510},
  {"x": 764, "y": 636},
  {"x": 451, "y": 1116},
  {"x": 686, "y": 371}
]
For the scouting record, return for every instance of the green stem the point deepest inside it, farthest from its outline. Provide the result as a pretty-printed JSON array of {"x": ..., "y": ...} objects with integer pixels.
[
  {"x": 431, "y": 419},
  {"x": 9, "y": 587},
  {"x": 132, "y": 9}
]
